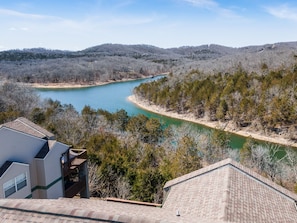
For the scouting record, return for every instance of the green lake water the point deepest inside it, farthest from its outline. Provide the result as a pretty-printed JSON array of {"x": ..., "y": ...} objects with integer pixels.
[{"x": 113, "y": 97}]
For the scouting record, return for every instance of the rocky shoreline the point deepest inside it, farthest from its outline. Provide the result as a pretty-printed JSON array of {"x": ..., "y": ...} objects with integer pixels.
[{"x": 228, "y": 127}]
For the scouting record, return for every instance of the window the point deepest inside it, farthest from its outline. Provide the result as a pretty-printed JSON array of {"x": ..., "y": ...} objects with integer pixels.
[
  {"x": 21, "y": 181},
  {"x": 9, "y": 188},
  {"x": 15, "y": 184}
]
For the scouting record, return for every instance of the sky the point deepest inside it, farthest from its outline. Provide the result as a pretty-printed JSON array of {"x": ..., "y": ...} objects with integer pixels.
[{"x": 79, "y": 24}]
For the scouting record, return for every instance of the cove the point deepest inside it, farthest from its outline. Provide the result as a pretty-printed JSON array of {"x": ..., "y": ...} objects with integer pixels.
[{"x": 113, "y": 97}]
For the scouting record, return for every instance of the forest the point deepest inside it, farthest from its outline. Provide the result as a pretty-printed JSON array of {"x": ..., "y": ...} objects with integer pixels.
[
  {"x": 264, "y": 102},
  {"x": 103, "y": 64},
  {"x": 132, "y": 157},
  {"x": 115, "y": 62}
]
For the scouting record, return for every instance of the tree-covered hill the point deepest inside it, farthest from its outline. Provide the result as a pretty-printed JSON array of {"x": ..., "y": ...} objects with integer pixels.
[
  {"x": 116, "y": 62},
  {"x": 264, "y": 102},
  {"x": 132, "y": 157},
  {"x": 250, "y": 58}
]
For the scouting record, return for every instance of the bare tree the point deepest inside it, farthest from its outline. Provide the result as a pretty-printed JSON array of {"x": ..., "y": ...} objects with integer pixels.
[
  {"x": 123, "y": 188},
  {"x": 69, "y": 125},
  {"x": 291, "y": 161},
  {"x": 265, "y": 158},
  {"x": 19, "y": 97},
  {"x": 94, "y": 178}
]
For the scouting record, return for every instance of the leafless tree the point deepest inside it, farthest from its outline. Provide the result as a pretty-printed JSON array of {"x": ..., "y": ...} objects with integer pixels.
[
  {"x": 291, "y": 161},
  {"x": 94, "y": 179},
  {"x": 123, "y": 188},
  {"x": 265, "y": 158}
]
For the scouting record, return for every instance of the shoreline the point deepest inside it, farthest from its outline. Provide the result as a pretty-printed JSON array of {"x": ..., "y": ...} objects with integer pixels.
[
  {"x": 85, "y": 85},
  {"x": 66, "y": 85},
  {"x": 75, "y": 85},
  {"x": 211, "y": 124}
]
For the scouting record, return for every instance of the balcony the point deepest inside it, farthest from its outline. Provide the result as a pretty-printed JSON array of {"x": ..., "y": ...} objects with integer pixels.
[
  {"x": 74, "y": 172},
  {"x": 72, "y": 188},
  {"x": 73, "y": 160}
]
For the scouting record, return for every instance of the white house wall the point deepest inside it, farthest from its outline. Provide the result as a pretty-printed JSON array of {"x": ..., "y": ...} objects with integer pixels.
[
  {"x": 53, "y": 169},
  {"x": 52, "y": 162},
  {"x": 19, "y": 147},
  {"x": 44, "y": 174},
  {"x": 49, "y": 172},
  {"x": 12, "y": 172},
  {"x": 55, "y": 191}
]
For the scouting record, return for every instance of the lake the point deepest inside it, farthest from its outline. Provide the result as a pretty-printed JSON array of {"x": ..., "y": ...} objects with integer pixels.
[{"x": 113, "y": 97}]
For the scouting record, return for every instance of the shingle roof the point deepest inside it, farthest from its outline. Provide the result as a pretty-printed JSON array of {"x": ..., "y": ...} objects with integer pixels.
[
  {"x": 223, "y": 192},
  {"x": 230, "y": 192},
  {"x": 86, "y": 210},
  {"x": 24, "y": 125}
]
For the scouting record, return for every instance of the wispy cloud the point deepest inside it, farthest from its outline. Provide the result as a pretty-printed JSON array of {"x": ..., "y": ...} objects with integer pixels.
[
  {"x": 213, "y": 6},
  {"x": 283, "y": 12},
  {"x": 123, "y": 3},
  {"x": 12, "y": 13},
  {"x": 132, "y": 21},
  {"x": 203, "y": 3},
  {"x": 20, "y": 21},
  {"x": 106, "y": 19},
  {"x": 16, "y": 29}
]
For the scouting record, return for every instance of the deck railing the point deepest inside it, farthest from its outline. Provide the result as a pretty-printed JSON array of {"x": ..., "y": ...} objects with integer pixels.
[
  {"x": 70, "y": 165},
  {"x": 75, "y": 187}
]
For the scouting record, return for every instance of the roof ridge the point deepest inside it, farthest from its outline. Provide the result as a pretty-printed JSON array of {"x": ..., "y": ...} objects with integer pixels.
[
  {"x": 31, "y": 127},
  {"x": 226, "y": 195},
  {"x": 198, "y": 172},
  {"x": 21, "y": 132},
  {"x": 240, "y": 168},
  {"x": 269, "y": 183}
]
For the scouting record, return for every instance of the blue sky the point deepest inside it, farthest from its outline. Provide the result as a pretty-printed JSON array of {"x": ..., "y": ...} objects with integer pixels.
[{"x": 78, "y": 24}]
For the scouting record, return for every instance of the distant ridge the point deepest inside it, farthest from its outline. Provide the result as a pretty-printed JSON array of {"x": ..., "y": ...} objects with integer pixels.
[
  {"x": 145, "y": 48},
  {"x": 117, "y": 61}
]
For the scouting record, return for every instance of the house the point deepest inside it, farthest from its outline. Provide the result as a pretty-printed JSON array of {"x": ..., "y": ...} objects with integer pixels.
[
  {"x": 230, "y": 192},
  {"x": 34, "y": 165},
  {"x": 219, "y": 193}
]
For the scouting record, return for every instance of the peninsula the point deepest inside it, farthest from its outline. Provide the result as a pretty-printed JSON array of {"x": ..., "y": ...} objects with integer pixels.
[{"x": 228, "y": 127}]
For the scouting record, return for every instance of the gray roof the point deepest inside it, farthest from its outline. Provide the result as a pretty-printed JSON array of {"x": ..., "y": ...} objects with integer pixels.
[
  {"x": 86, "y": 210},
  {"x": 230, "y": 192},
  {"x": 223, "y": 192},
  {"x": 24, "y": 125}
]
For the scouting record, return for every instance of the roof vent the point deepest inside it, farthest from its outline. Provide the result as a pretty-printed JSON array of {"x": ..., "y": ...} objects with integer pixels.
[{"x": 177, "y": 213}]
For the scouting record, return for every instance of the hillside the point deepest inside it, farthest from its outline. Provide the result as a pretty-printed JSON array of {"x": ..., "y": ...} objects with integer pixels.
[
  {"x": 250, "y": 58},
  {"x": 260, "y": 102},
  {"x": 116, "y": 62},
  {"x": 235, "y": 87}
]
